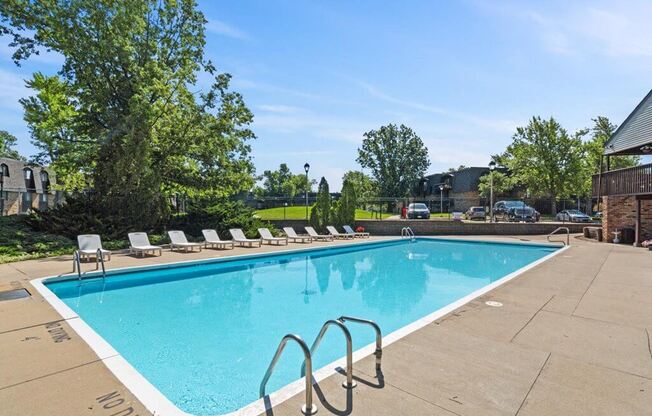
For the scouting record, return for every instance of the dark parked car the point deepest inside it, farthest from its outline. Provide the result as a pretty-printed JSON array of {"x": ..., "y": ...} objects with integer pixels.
[
  {"x": 573, "y": 215},
  {"x": 515, "y": 211},
  {"x": 475, "y": 213},
  {"x": 418, "y": 211}
]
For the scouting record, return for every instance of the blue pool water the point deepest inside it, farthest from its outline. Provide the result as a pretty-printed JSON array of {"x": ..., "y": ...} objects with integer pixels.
[{"x": 203, "y": 334}]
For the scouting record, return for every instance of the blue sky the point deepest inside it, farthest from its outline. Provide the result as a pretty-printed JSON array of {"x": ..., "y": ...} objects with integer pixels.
[{"x": 462, "y": 74}]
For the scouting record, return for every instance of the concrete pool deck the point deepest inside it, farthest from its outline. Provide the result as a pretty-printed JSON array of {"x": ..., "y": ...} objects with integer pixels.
[{"x": 572, "y": 338}]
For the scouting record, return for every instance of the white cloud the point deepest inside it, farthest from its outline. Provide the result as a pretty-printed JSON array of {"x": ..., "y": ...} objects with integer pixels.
[
  {"x": 220, "y": 28},
  {"x": 279, "y": 108}
]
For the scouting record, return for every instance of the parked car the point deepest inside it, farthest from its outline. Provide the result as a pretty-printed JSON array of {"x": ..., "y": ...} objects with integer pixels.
[
  {"x": 418, "y": 211},
  {"x": 515, "y": 211},
  {"x": 573, "y": 215},
  {"x": 476, "y": 213}
]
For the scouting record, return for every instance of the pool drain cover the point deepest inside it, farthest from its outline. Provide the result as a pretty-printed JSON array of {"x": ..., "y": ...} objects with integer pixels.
[
  {"x": 14, "y": 294},
  {"x": 493, "y": 303}
]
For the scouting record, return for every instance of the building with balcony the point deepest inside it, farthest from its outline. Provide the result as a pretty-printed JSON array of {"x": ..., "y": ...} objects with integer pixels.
[
  {"x": 25, "y": 186},
  {"x": 625, "y": 195}
]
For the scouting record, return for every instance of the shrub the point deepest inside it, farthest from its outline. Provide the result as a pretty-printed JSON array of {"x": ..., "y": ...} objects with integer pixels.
[{"x": 18, "y": 241}]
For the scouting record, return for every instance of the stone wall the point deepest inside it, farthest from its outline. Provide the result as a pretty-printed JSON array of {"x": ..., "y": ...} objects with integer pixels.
[
  {"x": 421, "y": 227},
  {"x": 619, "y": 212}
]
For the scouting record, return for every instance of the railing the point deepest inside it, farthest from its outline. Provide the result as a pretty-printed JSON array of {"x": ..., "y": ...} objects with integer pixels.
[
  {"x": 379, "y": 336},
  {"x": 308, "y": 408},
  {"x": 76, "y": 264},
  {"x": 555, "y": 232},
  {"x": 628, "y": 181},
  {"x": 406, "y": 232},
  {"x": 349, "y": 383},
  {"x": 99, "y": 258}
]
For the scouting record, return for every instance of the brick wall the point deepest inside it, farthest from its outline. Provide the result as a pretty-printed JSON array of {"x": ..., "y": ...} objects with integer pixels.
[{"x": 620, "y": 212}]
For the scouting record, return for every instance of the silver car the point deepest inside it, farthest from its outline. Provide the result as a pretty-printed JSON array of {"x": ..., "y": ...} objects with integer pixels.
[
  {"x": 573, "y": 215},
  {"x": 476, "y": 213}
]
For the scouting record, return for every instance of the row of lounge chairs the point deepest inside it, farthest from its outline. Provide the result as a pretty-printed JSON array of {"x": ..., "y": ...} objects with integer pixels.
[{"x": 139, "y": 244}]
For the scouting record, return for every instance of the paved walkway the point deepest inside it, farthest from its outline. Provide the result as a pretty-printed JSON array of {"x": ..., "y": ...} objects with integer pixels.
[{"x": 572, "y": 338}]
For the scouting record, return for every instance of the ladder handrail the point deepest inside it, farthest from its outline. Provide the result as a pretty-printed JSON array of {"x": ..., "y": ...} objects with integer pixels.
[
  {"x": 567, "y": 243},
  {"x": 349, "y": 384},
  {"x": 76, "y": 262},
  {"x": 308, "y": 408},
  {"x": 99, "y": 258},
  {"x": 407, "y": 232},
  {"x": 379, "y": 335}
]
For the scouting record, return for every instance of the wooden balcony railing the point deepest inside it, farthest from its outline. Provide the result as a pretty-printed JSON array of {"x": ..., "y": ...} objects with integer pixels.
[{"x": 628, "y": 181}]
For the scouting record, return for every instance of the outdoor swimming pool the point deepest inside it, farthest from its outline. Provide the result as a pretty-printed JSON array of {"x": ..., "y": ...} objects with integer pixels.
[{"x": 204, "y": 333}]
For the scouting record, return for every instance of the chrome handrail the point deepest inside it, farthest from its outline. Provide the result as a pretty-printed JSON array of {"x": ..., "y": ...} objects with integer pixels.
[
  {"x": 349, "y": 383},
  {"x": 407, "y": 232},
  {"x": 567, "y": 243},
  {"x": 379, "y": 336},
  {"x": 308, "y": 408},
  {"x": 76, "y": 262},
  {"x": 99, "y": 258}
]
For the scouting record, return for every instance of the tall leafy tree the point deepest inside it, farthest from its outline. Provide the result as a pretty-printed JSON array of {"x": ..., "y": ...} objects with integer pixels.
[
  {"x": 7, "y": 144},
  {"x": 397, "y": 158},
  {"x": 502, "y": 183},
  {"x": 364, "y": 186},
  {"x": 320, "y": 215},
  {"x": 130, "y": 79},
  {"x": 546, "y": 159},
  {"x": 282, "y": 182}
]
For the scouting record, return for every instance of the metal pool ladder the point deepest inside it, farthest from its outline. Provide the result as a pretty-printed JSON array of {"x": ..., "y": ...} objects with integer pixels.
[
  {"x": 567, "y": 243},
  {"x": 306, "y": 369},
  {"x": 406, "y": 232},
  {"x": 76, "y": 263}
]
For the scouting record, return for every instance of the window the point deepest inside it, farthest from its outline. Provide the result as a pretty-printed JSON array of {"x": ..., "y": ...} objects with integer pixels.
[
  {"x": 27, "y": 201},
  {"x": 29, "y": 179},
  {"x": 45, "y": 180},
  {"x": 4, "y": 170}
]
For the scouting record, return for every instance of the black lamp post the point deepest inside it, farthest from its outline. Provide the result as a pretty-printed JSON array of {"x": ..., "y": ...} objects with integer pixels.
[
  {"x": 441, "y": 197},
  {"x": 492, "y": 167},
  {"x": 306, "y": 167},
  {"x": 4, "y": 171}
]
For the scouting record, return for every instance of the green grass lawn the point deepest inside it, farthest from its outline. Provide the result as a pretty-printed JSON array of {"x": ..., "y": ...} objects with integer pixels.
[{"x": 299, "y": 213}]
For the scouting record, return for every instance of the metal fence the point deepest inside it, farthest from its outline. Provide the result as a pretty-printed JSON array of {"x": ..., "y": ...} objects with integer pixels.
[{"x": 278, "y": 208}]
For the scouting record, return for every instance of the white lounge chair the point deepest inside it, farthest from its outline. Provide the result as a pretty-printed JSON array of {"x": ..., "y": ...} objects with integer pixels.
[
  {"x": 350, "y": 231},
  {"x": 319, "y": 237},
  {"x": 88, "y": 246},
  {"x": 267, "y": 237},
  {"x": 240, "y": 239},
  {"x": 292, "y": 235},
  {"x": 213, "y": 240},
  {"x": 178, "y": 241},
  {"x": 336, "y": 234},
  {"x": 139, "y": 244}
]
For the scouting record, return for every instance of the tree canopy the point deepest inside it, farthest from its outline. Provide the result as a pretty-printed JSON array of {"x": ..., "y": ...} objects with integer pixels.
[
  {"x": 7, "y": 144},
  {"x": 320, "y": 215},
  {"x": 546, "y": 159},
  {"x": 397, "y": 158},
  {"x": 502, "y": 183},
  {"x": 365, "y": 187},
  {"x": 283, "y": 183},
  {"x": 126, "y": 110}
]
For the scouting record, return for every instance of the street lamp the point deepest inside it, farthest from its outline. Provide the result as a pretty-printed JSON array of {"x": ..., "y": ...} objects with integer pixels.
[
  {"x": 441, "y": 197},
  {"x": 285, "y": 205},
  {"x": 306, "y": 167},
  {"x": 492, "y": 167},
  {"x": 4, "y": 171}
]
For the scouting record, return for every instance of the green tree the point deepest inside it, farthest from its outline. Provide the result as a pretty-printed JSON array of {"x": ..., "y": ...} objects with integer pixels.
[
  {"x": 346, "y": 204},
  {"x": 130, "y": 76},
  {"x": 601, "y": 131},
  {"x": 7, "y": 143},
  {"x": 502, "y": 184},
  {"x": 364, "y": 186},
  {"x": 396, "y": 157},
  {"x": 546, "y": 159},
  {"x": 53, "y": 123},
  {"x": 282, "y": 182},
  {"x": 320, "y": 215}
]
